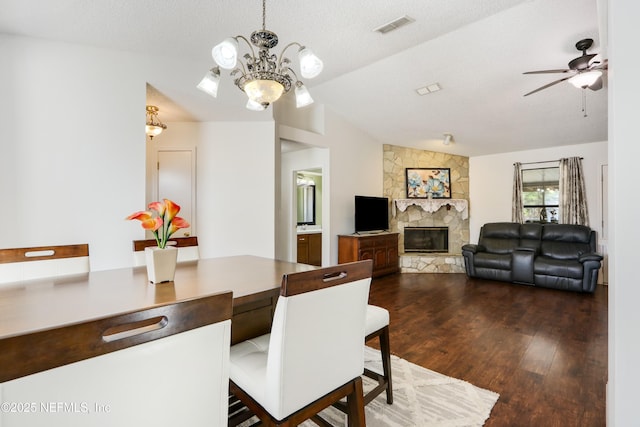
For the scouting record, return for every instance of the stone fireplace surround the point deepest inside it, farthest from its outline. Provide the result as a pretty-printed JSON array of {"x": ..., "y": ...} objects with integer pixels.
[
  {"x": 429, "y": 262},
  {"x": 454, "y": 216}
]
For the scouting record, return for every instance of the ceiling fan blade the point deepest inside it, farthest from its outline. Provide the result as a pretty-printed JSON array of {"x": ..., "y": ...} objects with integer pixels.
[
  {"x": 548, "y": 71},
  {"x": 548, "y": 85}
]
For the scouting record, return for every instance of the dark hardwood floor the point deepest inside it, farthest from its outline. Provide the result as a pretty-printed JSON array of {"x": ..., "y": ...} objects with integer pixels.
[{"x": 544, "y": 351}]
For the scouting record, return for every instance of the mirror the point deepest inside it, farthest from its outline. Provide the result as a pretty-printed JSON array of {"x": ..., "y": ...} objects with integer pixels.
[{"x": 306, "y": 204}]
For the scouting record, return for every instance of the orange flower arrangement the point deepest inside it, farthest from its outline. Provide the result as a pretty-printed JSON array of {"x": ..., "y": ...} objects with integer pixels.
[{"x": 161, "y": 219}]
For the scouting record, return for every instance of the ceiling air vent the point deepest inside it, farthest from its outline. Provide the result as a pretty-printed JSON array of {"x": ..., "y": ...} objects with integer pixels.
[{"x": 395, "y": 24}]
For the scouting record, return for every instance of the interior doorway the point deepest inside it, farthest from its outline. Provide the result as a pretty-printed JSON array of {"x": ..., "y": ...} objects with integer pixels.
[
  {"x": 296, "y": 158},
  {"x": 307, "y": 194}
]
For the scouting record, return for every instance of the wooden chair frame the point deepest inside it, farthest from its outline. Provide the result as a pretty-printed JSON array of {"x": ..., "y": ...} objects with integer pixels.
[
  {"x": 295, "y": 284},
  {"x": 178, "y": 242},
  {"x": 38, "y": 262},
  {"x": 40, "y": 253}
]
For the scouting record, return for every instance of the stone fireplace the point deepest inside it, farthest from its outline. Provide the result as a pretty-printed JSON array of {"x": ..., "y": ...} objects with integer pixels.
[
  {"x": 426, "y": 239},
  {"x": 407, "y": 215}
]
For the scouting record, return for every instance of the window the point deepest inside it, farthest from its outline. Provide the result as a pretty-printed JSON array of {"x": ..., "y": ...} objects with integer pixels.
[{"x": 541, "y": 194}]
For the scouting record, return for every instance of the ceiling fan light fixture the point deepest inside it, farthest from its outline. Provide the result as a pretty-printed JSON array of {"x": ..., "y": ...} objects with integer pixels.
[{"x": 585, "y": 79}]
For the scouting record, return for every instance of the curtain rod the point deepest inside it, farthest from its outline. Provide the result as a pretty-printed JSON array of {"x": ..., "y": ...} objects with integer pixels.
[{"x": 545, "y": 161}]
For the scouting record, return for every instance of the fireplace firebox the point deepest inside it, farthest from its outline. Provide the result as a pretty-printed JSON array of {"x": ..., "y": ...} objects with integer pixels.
[{"x": 426, "y": 239}]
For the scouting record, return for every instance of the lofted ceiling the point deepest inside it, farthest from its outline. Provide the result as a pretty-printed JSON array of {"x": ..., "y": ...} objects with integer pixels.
[{"x": 476, "y": 50}]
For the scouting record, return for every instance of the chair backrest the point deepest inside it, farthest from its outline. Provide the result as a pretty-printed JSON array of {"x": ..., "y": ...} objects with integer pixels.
[
  {"x": 43, "y": 261},
  {"x": 187, "y": 249},
  {"x": 134, "y": 368},
  {"x": 317, "y": 335}
]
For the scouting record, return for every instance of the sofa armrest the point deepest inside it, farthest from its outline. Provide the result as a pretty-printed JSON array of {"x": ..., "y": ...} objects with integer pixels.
[
  {"x": 592, "y": 256},
  {"x": 469, "y": 252},
  {"x": 527, "y": 249},
  {"x": 473, "y": 248}
]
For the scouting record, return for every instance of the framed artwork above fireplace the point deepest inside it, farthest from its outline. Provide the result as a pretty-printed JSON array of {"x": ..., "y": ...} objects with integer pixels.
[{"x": 428, "y": 183}]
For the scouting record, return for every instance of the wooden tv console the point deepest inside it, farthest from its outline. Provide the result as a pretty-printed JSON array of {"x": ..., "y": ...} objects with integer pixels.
[{"x": 382, "y": 248}]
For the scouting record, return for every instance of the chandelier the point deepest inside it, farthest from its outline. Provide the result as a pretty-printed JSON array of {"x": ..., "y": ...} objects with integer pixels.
[
  {"x": 154, "y": 126},
  {"x": 263, "y": 77}
]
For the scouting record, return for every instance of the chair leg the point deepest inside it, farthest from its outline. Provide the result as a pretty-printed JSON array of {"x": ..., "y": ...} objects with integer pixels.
[
  {"x": 385, "y": 349},
  {"x": 355, "y": 405},
  {"x": 384, "y": 380}
]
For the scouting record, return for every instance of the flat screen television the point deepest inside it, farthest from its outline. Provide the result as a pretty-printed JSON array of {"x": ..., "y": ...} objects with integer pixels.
[{"x": 372, "y": 213}]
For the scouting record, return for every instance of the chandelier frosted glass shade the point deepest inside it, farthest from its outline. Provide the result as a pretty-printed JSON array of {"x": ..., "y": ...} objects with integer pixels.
[
  {"x": 225, "y": 53},
  {"x": 310, "y": 65},
  {"x": 263, "y": 91},
  {"x": 261, "y": 74},
  {"x": 210, "y": 82},
  {"x": 254, "y": 106},
  {"x": 153, "y": 130},
  {"x": 586, "y": 79},
  {"x": 303, "y": 97}
]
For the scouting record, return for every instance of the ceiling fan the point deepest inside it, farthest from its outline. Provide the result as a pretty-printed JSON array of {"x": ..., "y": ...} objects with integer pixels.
[{"x": 586, "y": 70}]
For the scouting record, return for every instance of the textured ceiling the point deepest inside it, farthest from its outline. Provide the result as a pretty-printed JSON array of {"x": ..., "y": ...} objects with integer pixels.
[{"x": 476, "y": 50}]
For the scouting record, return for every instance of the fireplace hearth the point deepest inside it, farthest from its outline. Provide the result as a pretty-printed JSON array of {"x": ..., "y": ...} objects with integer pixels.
[{"x": 426, "y": 239}]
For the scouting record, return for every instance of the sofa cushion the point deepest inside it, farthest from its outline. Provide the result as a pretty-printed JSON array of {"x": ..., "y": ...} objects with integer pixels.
[
  {"x": 544, "y": 265},
  {"x": 500, "y": 237},
  {"x": 565, "y": 242},
  {"x": 492, "y": 260}
]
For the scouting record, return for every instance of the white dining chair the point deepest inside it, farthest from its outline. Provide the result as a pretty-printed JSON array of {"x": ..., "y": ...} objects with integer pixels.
[
  {"x": 17, "y": 264},
  {"x": 314, "y": 355},
  {"x": 163, "y": 366},
  {"x": 188, "y": 249}
]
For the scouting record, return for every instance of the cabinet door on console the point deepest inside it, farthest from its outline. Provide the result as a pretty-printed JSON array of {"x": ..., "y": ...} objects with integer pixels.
[{"x": 380, "y": 258}]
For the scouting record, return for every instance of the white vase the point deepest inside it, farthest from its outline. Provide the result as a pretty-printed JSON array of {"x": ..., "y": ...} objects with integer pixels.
[{"x": 161, "y": 263}]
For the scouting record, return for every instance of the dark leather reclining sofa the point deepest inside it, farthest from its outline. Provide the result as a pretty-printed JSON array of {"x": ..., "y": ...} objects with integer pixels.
[{"x": 559, "y": 256}]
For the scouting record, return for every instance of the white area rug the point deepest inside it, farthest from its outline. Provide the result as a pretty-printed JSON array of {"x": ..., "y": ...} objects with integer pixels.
[{"x": 421, "y": 398}]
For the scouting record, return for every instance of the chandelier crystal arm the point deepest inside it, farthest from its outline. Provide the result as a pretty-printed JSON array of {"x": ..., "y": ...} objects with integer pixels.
[
  {"x": 285, "y": 49},
  {"x": 253, "y": 52}
]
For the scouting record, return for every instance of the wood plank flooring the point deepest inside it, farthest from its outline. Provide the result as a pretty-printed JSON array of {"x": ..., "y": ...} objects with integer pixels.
[{"x": 544, "y": 351}]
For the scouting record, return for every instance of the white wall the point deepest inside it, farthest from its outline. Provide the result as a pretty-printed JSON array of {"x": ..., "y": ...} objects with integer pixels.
[
  {"x": 234, "y": 183},
  {"x": 236, "y": 186},
  {"x": 624, "y": 152},
  {"x": 491, "y": 182},
  {"x": 72, "y": 147},
  {"x": 72, "y": 163}
]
